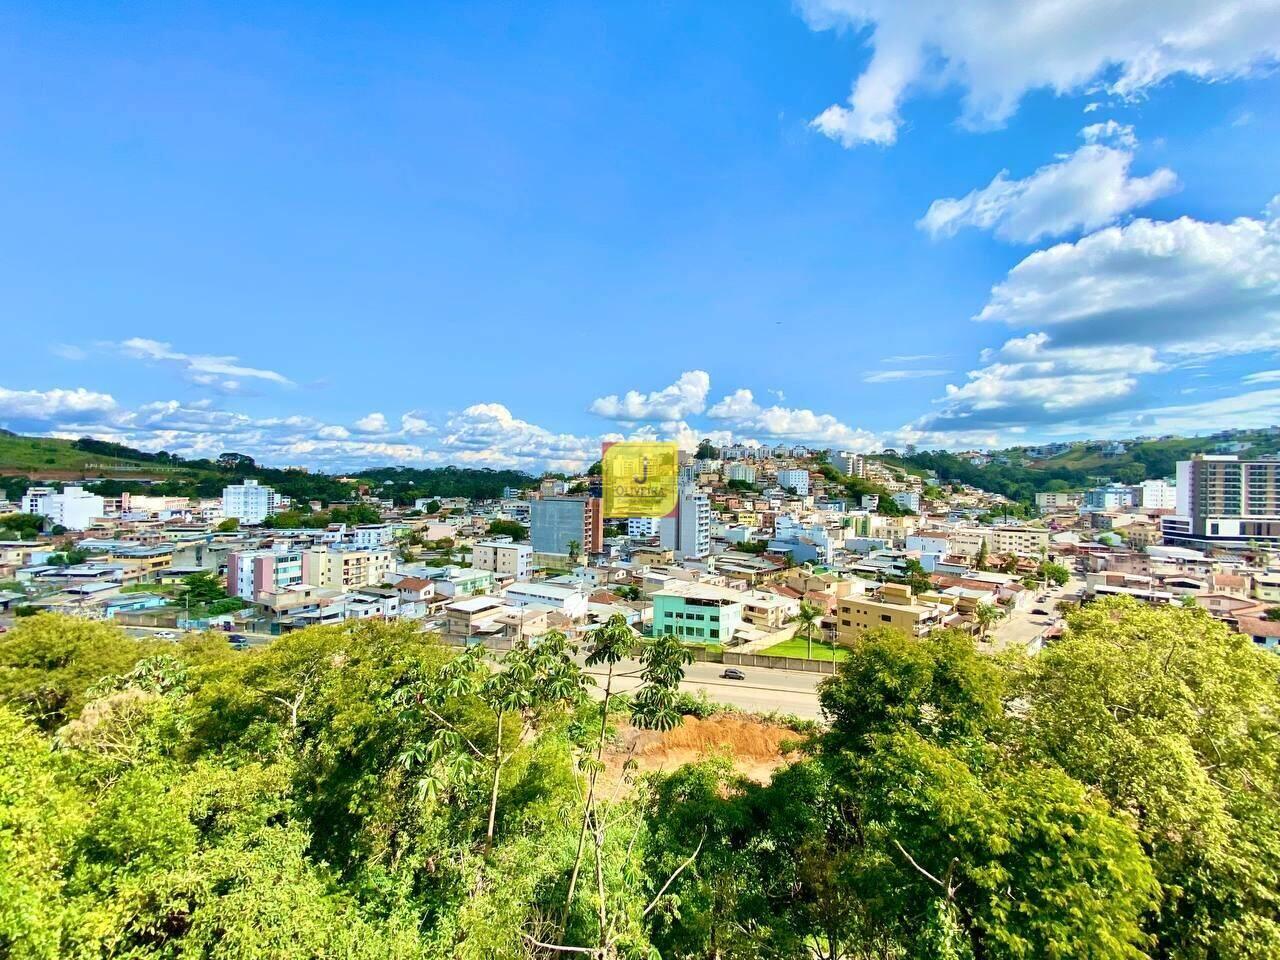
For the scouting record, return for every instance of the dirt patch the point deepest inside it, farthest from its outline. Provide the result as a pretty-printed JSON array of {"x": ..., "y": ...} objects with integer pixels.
[{"x": 755, "y": 747}]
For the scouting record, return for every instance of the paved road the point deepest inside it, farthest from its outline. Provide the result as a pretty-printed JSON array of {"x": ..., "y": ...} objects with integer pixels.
[
  {"x": 1021, "y": 628},
  {"x": 764, "y": 690}
]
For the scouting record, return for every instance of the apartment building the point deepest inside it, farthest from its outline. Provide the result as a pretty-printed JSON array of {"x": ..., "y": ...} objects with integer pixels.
[
  {"x": 1114, "y": 496},
  {"x": 697, "y": 613},
  {"x": 557, "y": 522},
  {"x": 641, "y": 528},
  {"x": 504, "y": 558},
  {"x": 342, "y": 566},
  {"x": 1225, "y": 501},
  {"x": 1059, "y": 500},
  {"x": 891, "y": 605},
  {"x": 249, "y": 502},
  {"x": 741, "y": 471},
  {"x": 74, "y": 508},
  {"x": 688, "y": 532},
  {"x": 1023, "y": 541},
  {"x": 851, "y": 464},
  {"x": 797, "y": 481},
  {"x": 1157, "y": 495},
  {"x": 566, "y": 600},
  {"x": 907, "y": 500},
  {"x": 251, "y": 573},
  {"x": 368, "y": 535}
]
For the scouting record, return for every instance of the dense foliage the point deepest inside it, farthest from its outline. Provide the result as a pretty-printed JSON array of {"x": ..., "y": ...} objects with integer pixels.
[{"x": 365, "y": 791}]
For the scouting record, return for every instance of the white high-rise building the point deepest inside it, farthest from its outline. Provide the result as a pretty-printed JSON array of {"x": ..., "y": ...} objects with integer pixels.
[
  {"x": 795, "y": 480},
  {"x": 851, "y": 464},
  {"x": 249, "y": 502},
  {"x": 74, "y": 508},
  {"x": 741, "y": 471},
  {"x": 1158, "y": 495},
  {"x": 688, "y": 532}
]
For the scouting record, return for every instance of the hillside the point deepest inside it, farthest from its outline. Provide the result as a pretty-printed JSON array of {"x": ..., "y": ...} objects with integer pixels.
[
  {"x": 112, "y": 469},
  {"x": 1021, "y": 472},
  {"x": 36, "y": 455}
]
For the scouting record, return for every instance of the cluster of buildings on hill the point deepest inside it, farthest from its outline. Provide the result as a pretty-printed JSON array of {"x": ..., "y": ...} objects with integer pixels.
[{"x": 755, "y": 533}]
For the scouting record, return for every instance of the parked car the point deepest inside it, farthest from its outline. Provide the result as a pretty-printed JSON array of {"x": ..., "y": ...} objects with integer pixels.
[
  {"x": 166, "y": 635},
  {"x": 733, "y": 673},
  {"x": 1039, "y": 613}
]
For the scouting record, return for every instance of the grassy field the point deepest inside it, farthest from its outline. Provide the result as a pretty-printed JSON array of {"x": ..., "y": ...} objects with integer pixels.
[
  {"x": 798, "y": 647},
  {"x": 28, "y": 453}
]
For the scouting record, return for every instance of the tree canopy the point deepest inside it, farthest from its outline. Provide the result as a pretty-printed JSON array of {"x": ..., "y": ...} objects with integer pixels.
[{"x": 367, "y": 791}]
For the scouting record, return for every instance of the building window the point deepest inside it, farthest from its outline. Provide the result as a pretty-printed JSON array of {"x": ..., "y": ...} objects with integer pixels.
[{"x": 886, "y": 618}]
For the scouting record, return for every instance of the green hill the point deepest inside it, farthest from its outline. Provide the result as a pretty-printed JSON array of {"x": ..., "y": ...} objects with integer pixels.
[
  {"x": 1021, "y": 472},
  {"x": 36, "y": 454}
]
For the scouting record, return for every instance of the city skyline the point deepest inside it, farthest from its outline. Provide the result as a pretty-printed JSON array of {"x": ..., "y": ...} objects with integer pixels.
[{"x": 499, "y": 237}]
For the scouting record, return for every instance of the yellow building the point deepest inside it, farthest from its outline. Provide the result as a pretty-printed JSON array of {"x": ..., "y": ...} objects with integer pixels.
[
  {"x": 892, "y": 605},
  {"x": 344, "y": 568}
]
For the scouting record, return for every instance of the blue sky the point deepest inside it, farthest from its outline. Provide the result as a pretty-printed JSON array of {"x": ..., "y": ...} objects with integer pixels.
[{"x": 339, "y": 234}]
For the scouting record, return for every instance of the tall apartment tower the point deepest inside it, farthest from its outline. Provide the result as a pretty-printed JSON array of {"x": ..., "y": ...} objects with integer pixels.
[
  {"x": 249, "y": 502},
  {"x": 688, "y": 531},
  {"x": 556, "y": 521},
  {"x": 1225, "y": 501}
]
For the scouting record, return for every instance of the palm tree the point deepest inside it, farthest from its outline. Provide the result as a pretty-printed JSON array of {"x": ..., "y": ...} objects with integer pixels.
[
  {"x": 574, "y": 547},
  {"x": 807, "y": 617},
  {"x": 987, "y": 614}
]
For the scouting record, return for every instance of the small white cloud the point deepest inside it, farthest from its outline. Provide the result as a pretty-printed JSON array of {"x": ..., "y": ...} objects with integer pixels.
[
  {"x": 889, "y": 376},
  {"x": 1112, "y": 132},
  {"x": 414, "y": 425},
  {"x": 204, "y": 369},
  {"x": 372, "y": 423},
  {"x": 67, "y": 351},
  {"x": 1263, "y": 376}
]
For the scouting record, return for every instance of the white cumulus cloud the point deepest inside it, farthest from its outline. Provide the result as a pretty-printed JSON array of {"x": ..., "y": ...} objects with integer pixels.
[
  {"x": 1083, "y": 191},
  {"x": 740, "y": 409},
  {"x": 54, "y": 406},
  {"x": 1186, "y": 286},
  {"x": 687, "y": 396},
  {"x": 996, "y": 51}
]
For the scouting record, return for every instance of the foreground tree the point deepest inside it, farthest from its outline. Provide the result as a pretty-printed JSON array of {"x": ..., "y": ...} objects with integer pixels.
[{"x": 1176, "y": 721}]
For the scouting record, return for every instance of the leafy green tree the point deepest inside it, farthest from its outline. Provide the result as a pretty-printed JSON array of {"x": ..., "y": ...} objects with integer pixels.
[
  {"x": 1055, "y": 573},
  {"x": 229, "y": 525},
  {"x": 48, "y": 664},
  {"x": 1172, "y": 718},
  {"x": 204, "y": 587},
  {"x": 509, "y": 528},
  {"x": 532, "y": 679}
]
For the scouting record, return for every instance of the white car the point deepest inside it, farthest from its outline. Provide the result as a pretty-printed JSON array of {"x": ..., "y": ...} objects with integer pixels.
[{"x": 166, "y": 635}]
